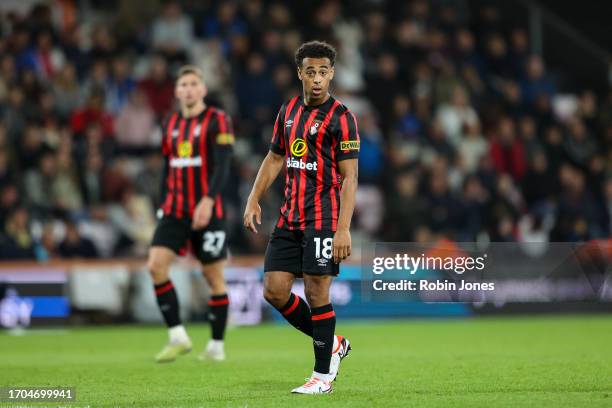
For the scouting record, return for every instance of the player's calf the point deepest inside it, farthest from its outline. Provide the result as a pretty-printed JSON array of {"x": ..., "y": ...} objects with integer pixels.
[
  {"x": 297, "y": 313},
  {"x": 179, "y": 343}
]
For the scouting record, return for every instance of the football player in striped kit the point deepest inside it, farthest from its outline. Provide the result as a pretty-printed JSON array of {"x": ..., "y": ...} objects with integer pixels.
[
  {"x": 197, "y": 145},
  {"x": 316, "y": 139}
]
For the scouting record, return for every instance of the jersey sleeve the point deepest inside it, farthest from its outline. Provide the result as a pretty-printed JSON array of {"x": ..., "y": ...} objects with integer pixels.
[
  {"x": 347, "y": 143},
  {"x": 223, "y": 132},
  {"x": 223, "y": 147},
  {"x": 277, "y": 144},
  {"x": 165, "y": 145}
]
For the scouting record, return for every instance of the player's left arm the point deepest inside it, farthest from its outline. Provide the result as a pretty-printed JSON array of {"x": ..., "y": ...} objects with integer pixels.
[
  {"x": 223, "y": 143},
  {"x": 342, "y": 237},
  {"x": 347, "y": 153}
]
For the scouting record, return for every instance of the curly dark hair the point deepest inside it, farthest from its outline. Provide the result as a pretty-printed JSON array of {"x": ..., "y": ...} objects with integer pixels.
[{"x": 315, "y": 49}]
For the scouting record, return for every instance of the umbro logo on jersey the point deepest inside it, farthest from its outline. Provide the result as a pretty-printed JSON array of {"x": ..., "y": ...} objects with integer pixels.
[
  {"x": 175, "y": 133},
  {"x": 288, "y": 123}
]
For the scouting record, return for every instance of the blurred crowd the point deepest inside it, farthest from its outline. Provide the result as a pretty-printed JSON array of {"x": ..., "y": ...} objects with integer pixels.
[{"x": 465, "y": 134}]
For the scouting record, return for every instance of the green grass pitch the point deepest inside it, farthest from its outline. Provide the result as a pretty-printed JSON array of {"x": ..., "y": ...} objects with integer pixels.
[{"x": 485, "y": 362}]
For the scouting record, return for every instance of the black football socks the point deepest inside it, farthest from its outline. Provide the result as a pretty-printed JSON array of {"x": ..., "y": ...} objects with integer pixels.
[
  {"x": 297, "y": 313},
  {"x": 323, "y": 327},
  {"x": 168, "y": 303},
  {"x": 217, "y": 314}
]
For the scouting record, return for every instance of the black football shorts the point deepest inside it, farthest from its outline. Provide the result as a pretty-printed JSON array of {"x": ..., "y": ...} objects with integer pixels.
[
  {"x": 300, "y": 252},
  {"x": 208, "y": 244}
]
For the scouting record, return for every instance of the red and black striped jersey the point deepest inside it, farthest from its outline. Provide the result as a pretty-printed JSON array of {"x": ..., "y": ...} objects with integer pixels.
[
  {"x": 314, "y": 139},
  {"x": 194, "y": 148}
]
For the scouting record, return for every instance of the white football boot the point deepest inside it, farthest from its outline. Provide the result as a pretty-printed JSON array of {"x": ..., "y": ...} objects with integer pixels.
[
  {"x": 342, "y": 347},
  {"x": 314, "y": 385},
  {"x": 214, "y": 351}
]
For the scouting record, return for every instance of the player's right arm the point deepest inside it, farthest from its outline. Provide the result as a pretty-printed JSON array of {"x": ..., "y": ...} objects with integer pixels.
[
  {"x": 167, "y": 152},
  {"x": 270, "y": 167}
]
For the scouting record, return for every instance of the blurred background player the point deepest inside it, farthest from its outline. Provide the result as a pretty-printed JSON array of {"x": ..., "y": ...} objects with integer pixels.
[
  {"x": 197, "y": 144},
  {"x": 316, "y": 136}
]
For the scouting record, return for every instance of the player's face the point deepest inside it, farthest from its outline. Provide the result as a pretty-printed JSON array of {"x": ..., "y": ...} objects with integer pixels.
[
  {"x": 190, "y": 90},
  {"x": 316, "y": 74}
]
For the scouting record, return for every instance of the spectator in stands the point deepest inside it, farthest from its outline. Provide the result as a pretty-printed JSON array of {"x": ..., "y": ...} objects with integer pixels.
[
  {"x": 48, "y": 243},
  {"x": 30, "y": 147},
  {"x": 76, "y": 246},
  {"x": 578, "y": 218},
  {"x": 255, "y": 80},
  {"x": 91, "y": 178},
  {"x": 578, "y": 144},
  {"x": 48, "y": 58},
  {"x": 148, "y": 181},
  {"x": 407, "y": 126},
  {"x": 507, "y": 150},
  {"x": 9, "y": 198},
  {"x": 38, "y": 183},
  {"x": 441, "y": 203},
  {"x": 8, "y": 75},
  {"x": 536, "y": 82},
  {"x": 472, "y": 210},
  {"x": 383, "y": 85},
  {"x": 95, "y": 84},
  {"x": 158, "y": 86},
  {"x": 66, "y": 189},
  {"x": 472, "y": 147},
  {"x": 372, "y": 156},
  {"x": 133, "y": 217},
  {"x": 539, "y": 183},
  {"x": 406, "y": 208},
  {"x": 224, "y": 22},
  {"x": 172, "y": 33},
  {"x": 66, "y": 90},
  {"x": 92, "y": 113},
  {"x": 104, "y": 45},
  {"x": 119, "y": 86},
  {"x": 136, "y": 123},
  {"x": 31, "y": 86},
  {"x": 6, "y": 173},
  {"x": 15, "y": 113},
  {"x": 16, "y": 242},
  {"x": 455, "y": 115}
]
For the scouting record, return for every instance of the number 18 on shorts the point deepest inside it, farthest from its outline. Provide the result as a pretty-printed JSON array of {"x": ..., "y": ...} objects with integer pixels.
[{"x": 300, "y": 252}]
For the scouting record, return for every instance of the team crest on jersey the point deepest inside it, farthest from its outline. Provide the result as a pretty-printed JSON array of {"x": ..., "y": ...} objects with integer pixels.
[
  {"x": 185, "y": 149},
  {"x": 314, "y": 127},
  {"x": 298, "y": 147}
]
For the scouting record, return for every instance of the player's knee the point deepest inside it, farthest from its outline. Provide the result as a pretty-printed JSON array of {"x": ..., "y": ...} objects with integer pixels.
[
  {"x": 275, "y": 297},
  {"x": 216, "y": 283},
  {"x": 316, "y": 296},
  {"x": 213, "y": 273},
  {"x": 158, "y": 269}
]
